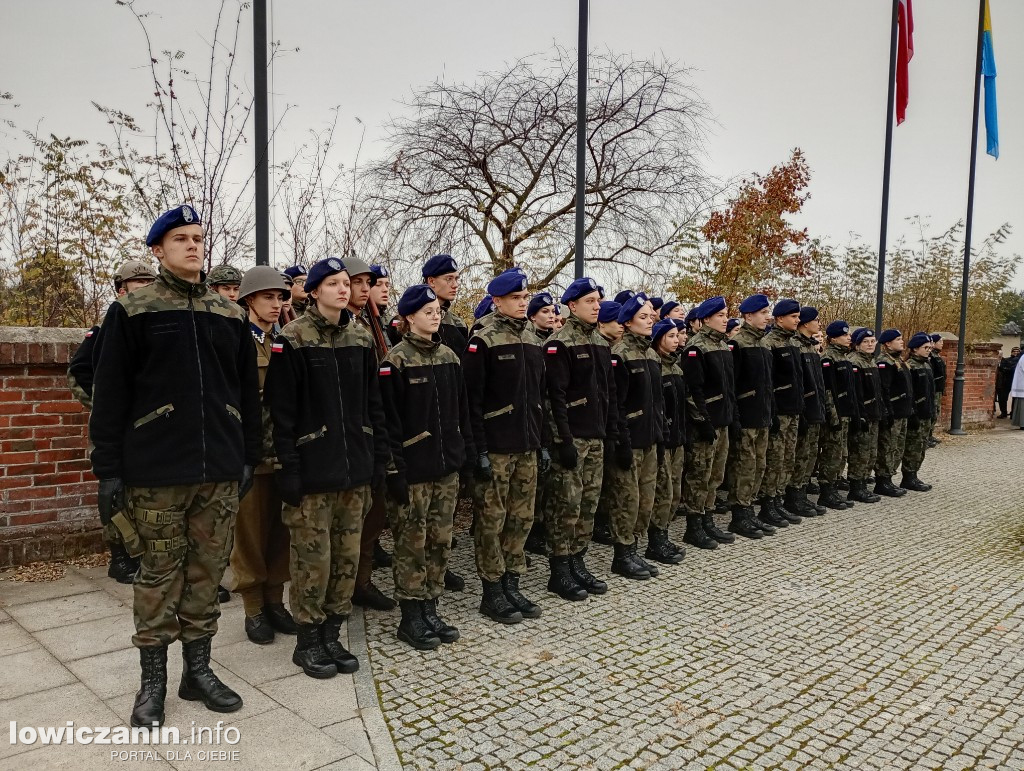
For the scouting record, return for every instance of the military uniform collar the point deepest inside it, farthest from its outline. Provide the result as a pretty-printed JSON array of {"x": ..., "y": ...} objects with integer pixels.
[
  {"x": 321, "y": 321},
  {"x": 757, "y": 333},
  {"x": 714, "y": 334},
  {"x": 518, "y": 325},
  {"x": 638, "y": 340},
  {"x": 258, "y": 334},
  {"x": 783, "y": 332},
  {"x": 181, "y": 286},
  {"x": 581, "y": 324},
  {"x": 837, "y": 348},
  {"x": 422, "y": 344}
]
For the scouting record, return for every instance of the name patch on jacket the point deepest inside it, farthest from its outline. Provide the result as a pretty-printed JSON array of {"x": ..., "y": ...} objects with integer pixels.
[{"x": 506, "y": 357}]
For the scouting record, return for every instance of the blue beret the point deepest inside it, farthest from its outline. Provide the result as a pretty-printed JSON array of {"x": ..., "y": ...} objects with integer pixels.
[
  {"x": 661, "y": 328},
  {"x": 484, "y": 307},
  {"x": 919, "y": 339},
  {"x": 295, "y": 271},
  {"x": 785, "y": 308},
  {"x": 754, "y": 303},
  {"x": 837, "y": 329},
  {"x": 541, "y": 300},
  {"x": 609, "y": 311},
  {"x": 682, "y": 325},
  {"x": 438, "y": 265},
  {"x": 512, "y": 280},
  {"x": 807, "y": 313},
  {"x": 667, "y": 308},
  {"x": 414, "y": 298},
  {"x": 889, "y": 335},
  {"x": 380, "y": 271},
  {"x": 322, "y": 270},
  {"x": 177, "y": 217},
  {"x": 579, "y": 288},
  {"x": 733, "y": 323},
  {"x": 624, "y": 295},
  {"x": 709, "y": 307},
  {"x": 936, "y": 337},
  {"x": 860, "y": 334},
  {"x": 631, "y": 306},
  {"x": 657, "y": 302},
  {"x": 691, "y": 315}
]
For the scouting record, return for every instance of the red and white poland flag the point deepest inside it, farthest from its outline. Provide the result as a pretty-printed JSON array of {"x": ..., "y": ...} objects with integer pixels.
[
  {"x": 385, "y": 370},
  {"x": 277, "y": 348},
  {"x": 552, "y": 349},
  {"x": 472, "y": 348}
]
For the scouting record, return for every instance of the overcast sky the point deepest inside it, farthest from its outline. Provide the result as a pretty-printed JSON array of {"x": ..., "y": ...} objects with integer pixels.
[{"x": 777, "y": 75}]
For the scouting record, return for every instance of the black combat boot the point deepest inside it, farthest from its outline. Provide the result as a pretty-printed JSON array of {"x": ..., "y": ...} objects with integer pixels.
[
  {"x": 911, "y": 482},
  {"x": 279, "y": 618},
  {"x": 330, "y": 637},
  {"x": 795, "y": 505},
  {"x": 660, "y": 549},
  {"x": 198, "y": 681},
  {"x": 584, "y": 577},
  {"x": 453, "y": 582},
  {"x": 518, "y": 600},
  {"x": 714, "y": 530},
  {"x": 369, "y": 596},
  {"x": 819, "y": 510},
  {"x": 790, "y": 515},
  {"x": 149, "y": 701},
  {"x": 123, "y": 566},
  {"x": 412, "y": 629},
  {"x": 602, "y": 534},
  {"x": 495, "y": 605},
  {"x": 742, "y": 523},
  {"x": 813, "y": 488},
  {"x": 561, "y": 581},
  {"x": 770, "y": 515},
  {"x": 760, "y": 524},
  {"x": 223, "y": 595},
  {"x": 695, "y": 535},
  {"x": 381, "y": 559},
  {"x": 884, "y": 486},
  {"x": 623, "y": 564},
  {"x": 259, "y": 630},
  {"x": 311, "y": 655},
  {"x": 634, "y": 554},
  {"x": 843, "y": 484},
  {"x": 535, "y": 540},
  {"x": 859, "y": 492},
  {"x": 445, "y": 631},
  {"x": 831, "y": 499}
]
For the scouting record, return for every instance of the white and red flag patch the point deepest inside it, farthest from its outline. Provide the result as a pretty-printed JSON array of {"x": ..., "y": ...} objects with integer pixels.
[
  {"x": 472, "y": 348},
  {"x": 277, "y": 348},
  {"x": 552, "y": 349},
  {"x": 385, "y": 370},
  {"x": 692, "y": 354}
]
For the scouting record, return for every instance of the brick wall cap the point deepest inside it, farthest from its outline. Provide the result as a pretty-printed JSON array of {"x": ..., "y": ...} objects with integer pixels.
[{"x": 41, "y": 334}]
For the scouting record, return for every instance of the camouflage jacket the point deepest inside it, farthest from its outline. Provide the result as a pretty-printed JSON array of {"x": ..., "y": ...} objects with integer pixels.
[
  {"x": 870, "y": 404},
  {"x": 839, "y": 376},
  {"x": 176, "y": 396},
  {"x": 814, "y": 382},
  {"x": 453, "y": 330},
  {"x": 787, "y": 371},
  {"x": 752, "y": 370},
  {"x": 673, "y": 388},
  {"x": 710, "y": 380},
  {"x": 581, "y": 390},
  {"x": 895, "y": 381},
  {"x": 922, "y": 379},
  {"x": 637, "y": 368}
]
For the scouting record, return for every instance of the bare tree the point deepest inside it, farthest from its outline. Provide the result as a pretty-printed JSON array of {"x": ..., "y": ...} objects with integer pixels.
[{"x": 487, "y": 169}]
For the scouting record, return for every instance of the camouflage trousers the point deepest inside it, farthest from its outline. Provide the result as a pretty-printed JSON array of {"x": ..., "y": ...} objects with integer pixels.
[
  {"x": 423, "y": 538},
  {"x": 891, "y": 440},
  {"x": 542, "y": 499},
  {"x": 938, "y": 411},
  {"x": 186, "y": 530},
  {"x": 781, "y": 457},
  {"x": 631, "y": 497},
  {"x": 669, "y": 488},
  {"x": 915, "y": 446},
  {"x": 325, "y": 531},
  {"x": 806, "y": 455},
  {"x": 863, "y": 451},
  {"x": 604, "y": 503},
  {"x": 832, "y": 449},
  {"x": 504, "y": 522},
  {"x": 705, "y": 471},
  {"x": 259, "y": 557},
  {"x": 572, "y": 498},
  {"x": 747, "y": 460}
]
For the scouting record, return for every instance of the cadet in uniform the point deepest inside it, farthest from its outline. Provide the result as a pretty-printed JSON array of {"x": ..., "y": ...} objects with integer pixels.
[
  {"x": 542, "y": 314},
  {"x": 748, "y": 447},
  {"x": 179, "y": 463},
  {"x": 871, "y": 409},
  {"x": 300, "y": 299},
  {"x": 894, "y": 378},
  {"x": 259, "y": 557},
  {"x": 919, "y": 424},
  {"x": 132, "y": 275},
  {"x": 669, "y": 486},
  {"x": 380, "y": 297},
  {"x": 332, "y": 444},
  {"x": 581, "y": 392},
  {"x": 939, "y": 370},
  {"x": 225, "y": 280},
  {"x": 672, "y": 310},
  {"x": 840, "y": 414},
  {"x": 504, "y": 372},
  {"x": 640, "y": 441},
  {"x": 431, "y": 440},
  {"x": 609, "y": 332},
  {"x": 814, "y": 411}
]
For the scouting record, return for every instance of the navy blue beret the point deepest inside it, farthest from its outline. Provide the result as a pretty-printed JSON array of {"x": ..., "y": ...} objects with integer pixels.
[
  {"x": 919, "y": 339},
  {"x": 661, "y": 328},
  {"x": 691, "y": 315},
  {"x": 667, "y": 308},
  {"x": 177, "y": 217},
  {"x": 484, "y": 307},
  {"x": 414, "y": 298},
  {"x": 512, "y": 280},
  {"x": 807, "y": 314},
  {"x": 837, "y": 329},
  {"x": 631, "y": 306},
  {"x": 785, "y": 308},
  {"x": 609, "y": 311},
  {"x": 682, "y": 325},
  {"x": 754, "y": 303},
  {"x": 656, "y": 303},
  {"x": 579, "y": 288},
  {"x": 860, "y": 334},
  {"x": 936, "y": 337},
  {"x": 322, "y": 270},
  {"x": 540, "y": 300},
  {"x": 380, "y": 271},
  {"x": 709, "y": 307},
  {"x": 889, "y": 335},
  {"x": 295, "y": 271},
  {"x": 439, "y": 265},
  {"x": 624, "y": 295},
  {"x": 733, "y": 323}
]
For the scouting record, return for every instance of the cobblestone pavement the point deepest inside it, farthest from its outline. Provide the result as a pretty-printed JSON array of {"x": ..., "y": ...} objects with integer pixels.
[{"x": 888, "y": 637}]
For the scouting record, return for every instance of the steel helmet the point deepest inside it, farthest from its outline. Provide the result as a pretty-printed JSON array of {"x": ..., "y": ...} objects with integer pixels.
[{"x": 261, "y": 279}]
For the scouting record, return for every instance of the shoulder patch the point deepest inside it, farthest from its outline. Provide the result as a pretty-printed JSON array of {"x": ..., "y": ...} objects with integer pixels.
[
  {"x": 881, "y": 365},
  {"x": 615, "y": 362},
  {"x": 89, "y": 333},
  {"x": 384, "y": 370},
  {"x": 552, "y": 349},
  {"x": 277, "y": 348},
  {"x": 826, "y": 364},
  {"x": 692, "y": 354},
  {"x": 472, "y": 348}
]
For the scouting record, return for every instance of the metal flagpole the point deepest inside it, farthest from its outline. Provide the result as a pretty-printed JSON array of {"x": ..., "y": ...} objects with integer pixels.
[
  {"x": 887, "y": 164},
  {"x": 956, "y": 415},
  {"x": 259, "y": 39},
  {"x": 581, "y": 137}
]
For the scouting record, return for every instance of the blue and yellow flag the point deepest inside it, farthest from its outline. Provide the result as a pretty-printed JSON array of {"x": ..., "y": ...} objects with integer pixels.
[{"x": 988, "y": 70}]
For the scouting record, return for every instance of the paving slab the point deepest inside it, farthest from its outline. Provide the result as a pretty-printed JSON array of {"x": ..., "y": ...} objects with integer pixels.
[
  {"x": 31, "y": 671},
  {"x": 65, "y": 611}
]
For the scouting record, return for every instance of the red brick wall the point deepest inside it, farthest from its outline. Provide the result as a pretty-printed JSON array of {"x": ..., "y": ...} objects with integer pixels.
[
  {"x": 47, "y": 492},
  {"x": 980, "y": 362}
]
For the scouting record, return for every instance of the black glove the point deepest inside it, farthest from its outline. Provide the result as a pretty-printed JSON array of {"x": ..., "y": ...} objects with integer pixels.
[
  {"x": 775, "y": 426},
  {"x": 566, "y": 453},
  {"x": 735, "y": 431},
  {"x": 801, "y": 428},
  {"x": 289, "y": 487},
  {"x": 889, "y": 421},
  {"x": 398, "y": 488},
  {"x": 543, "y": 461},
  {"x": 706, "y": 432},
  {"x": 624, "y": 456},
  {"x": 247, "y": 479},
  {"x": 110, "y": 498},
  {"x": 378, "y": 479},
  {"x": 836, "y": 427},
  {"x": 483, "y": 468},
  {"x": 661, "y": 453}
]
